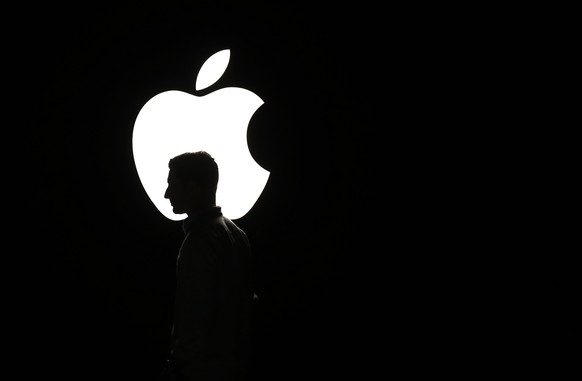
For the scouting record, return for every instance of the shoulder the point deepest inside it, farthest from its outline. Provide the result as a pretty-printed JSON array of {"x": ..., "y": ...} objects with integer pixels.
[
  {"x": 235, "y": 229},
  {"x": 208, "y": 235},
  {"x": 231, "y": 224}
]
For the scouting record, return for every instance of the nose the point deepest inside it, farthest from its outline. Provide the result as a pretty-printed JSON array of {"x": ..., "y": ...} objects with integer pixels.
[{"x": 166, "y": 194}]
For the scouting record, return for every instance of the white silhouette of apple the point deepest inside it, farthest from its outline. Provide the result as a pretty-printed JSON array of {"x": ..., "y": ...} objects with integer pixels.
[{"x": 174, "y": 122}]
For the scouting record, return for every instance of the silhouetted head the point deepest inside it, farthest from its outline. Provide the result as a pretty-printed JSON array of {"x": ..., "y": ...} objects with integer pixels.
[{"x": 192, "y": 182}]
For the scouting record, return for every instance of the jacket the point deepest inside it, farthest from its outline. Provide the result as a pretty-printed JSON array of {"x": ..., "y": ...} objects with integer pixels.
[{"x": 214, "y": 295}]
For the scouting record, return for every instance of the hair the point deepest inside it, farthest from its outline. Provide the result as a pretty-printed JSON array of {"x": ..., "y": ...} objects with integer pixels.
[{"x": 198, "y": 167}]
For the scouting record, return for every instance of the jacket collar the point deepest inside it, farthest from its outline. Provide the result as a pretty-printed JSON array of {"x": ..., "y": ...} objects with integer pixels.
[{"x": 200, "y": 217}]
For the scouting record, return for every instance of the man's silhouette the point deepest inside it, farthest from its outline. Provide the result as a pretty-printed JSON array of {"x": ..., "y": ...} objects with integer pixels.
[{"x": 212, "y": 327}]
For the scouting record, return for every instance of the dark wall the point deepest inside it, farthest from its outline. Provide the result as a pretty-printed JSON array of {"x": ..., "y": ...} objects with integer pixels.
[{"x": 329, "y": 232}]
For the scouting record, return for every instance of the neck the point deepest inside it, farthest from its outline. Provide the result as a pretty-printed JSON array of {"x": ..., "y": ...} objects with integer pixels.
[{"x": 199, "y": 209}]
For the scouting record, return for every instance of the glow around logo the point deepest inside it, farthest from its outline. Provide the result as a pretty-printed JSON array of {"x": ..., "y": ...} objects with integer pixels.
[{"x": 174, "y": 122}]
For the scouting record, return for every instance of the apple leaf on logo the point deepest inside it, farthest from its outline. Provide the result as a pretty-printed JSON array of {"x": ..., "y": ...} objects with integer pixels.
[{"x": 212, "y": 69}]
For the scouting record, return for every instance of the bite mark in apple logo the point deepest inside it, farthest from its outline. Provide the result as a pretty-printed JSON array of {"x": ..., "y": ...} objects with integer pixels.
[{"x": 174, "y": 122}]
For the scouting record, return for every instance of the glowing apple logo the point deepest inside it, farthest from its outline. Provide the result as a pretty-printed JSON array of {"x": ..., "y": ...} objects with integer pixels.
[{"x": 174, "y": 122}]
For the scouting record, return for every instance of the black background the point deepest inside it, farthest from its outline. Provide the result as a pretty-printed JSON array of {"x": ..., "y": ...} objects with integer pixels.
[{"x": 339, "y": 253}]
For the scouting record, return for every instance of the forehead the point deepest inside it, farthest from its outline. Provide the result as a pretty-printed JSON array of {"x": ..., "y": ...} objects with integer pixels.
[
  {"x": 175, "y": 177},
  {"x": 172, "y": 176}
]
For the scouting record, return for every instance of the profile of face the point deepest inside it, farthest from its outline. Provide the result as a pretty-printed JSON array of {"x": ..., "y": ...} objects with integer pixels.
[{"x": 180, "y": 194}]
